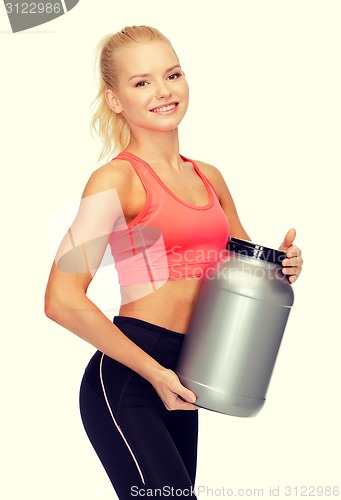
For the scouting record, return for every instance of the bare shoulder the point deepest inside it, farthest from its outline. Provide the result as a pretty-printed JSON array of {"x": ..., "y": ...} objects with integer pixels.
[
  {"x": 116, "y": 174},
  {"x": 225, "y": 198},
  {"x": 207, "y": 168},
  {"x": 213, "y": 175}
]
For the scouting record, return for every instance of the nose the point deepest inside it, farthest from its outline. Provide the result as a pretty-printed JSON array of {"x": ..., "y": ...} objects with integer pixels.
[{"x": 162, "y": 90}]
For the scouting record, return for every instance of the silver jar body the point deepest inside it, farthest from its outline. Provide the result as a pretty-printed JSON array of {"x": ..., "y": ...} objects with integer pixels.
[{"x": 234, "y": 335}]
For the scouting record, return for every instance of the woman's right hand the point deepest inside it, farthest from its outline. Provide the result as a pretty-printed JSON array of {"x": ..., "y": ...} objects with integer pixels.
[{"x": 173, "y": 394}]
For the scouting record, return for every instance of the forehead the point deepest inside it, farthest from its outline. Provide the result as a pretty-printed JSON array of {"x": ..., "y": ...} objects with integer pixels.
[{"x": 152, "y": 57}]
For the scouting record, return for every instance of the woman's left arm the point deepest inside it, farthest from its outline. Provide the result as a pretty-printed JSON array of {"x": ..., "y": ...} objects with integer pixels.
[{"x": 292, "y": 265}]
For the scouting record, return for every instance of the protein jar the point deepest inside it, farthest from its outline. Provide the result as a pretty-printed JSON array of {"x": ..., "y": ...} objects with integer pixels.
[{"x": 236, "y": 329}]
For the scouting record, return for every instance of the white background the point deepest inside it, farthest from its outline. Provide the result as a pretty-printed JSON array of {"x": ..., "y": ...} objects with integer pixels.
[{"x": 265, "y": 108}]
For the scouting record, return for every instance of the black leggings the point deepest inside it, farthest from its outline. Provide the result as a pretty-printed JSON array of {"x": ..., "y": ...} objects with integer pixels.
[{"x": 140, "y": 443}]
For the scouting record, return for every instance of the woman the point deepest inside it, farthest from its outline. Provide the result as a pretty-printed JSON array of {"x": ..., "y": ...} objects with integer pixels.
[{"x": 166, "y": 219}]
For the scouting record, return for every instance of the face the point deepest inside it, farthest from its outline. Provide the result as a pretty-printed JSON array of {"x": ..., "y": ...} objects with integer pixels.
[{"x": 152, "y": 92}]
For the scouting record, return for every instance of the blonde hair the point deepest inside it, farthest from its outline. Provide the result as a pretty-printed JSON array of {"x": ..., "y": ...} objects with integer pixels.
[{"x": 111, "y": 127}]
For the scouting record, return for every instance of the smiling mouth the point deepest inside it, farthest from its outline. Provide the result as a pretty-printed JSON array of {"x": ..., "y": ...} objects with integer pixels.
[{"x": 165, "y": 108}]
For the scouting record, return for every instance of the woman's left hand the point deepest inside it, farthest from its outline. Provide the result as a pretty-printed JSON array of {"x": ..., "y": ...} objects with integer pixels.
[{"x": 294, "y": 262}]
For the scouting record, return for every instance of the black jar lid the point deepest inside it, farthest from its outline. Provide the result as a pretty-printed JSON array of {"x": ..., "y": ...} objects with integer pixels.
[{"x": 245, "y": 247}]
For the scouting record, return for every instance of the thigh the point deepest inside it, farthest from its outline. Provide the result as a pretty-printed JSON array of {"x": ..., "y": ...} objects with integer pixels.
[
  {"x": 182, "y": 426},
  {"x": 160, "y": 460},
  {"x": 176, "y": 431},
  {"x": 136, "y": 440},
  {"x": 108, "y": 441}
]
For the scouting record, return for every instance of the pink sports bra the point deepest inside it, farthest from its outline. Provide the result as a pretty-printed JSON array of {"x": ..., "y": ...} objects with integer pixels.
[{"x": 169, "y": 238}]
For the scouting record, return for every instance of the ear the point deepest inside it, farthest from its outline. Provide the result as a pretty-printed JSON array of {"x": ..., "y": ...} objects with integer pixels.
[{"x": 113, "y": 101}]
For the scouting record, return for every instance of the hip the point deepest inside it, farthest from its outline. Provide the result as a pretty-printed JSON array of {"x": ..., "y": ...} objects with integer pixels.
[{"x": 119, "y": 384}]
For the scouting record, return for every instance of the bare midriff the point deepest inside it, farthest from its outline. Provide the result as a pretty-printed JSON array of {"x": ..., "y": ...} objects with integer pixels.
[{"x": 169, "y": 306}]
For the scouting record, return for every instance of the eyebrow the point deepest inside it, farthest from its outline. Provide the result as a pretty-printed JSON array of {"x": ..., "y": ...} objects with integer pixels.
[{"x": 145, "y": 75}]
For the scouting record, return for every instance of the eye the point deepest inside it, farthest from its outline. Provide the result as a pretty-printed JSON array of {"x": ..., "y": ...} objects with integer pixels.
[
  {"x": 142, "y": 83},
  {"x": 174, "y": 76}
]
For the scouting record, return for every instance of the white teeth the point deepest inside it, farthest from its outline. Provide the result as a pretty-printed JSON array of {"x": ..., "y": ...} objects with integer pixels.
[{"x": 165, "y": 108}]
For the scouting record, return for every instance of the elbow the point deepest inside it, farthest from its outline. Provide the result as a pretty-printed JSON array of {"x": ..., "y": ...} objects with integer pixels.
[
  {"x": 50, "y": 308},
  {"x": 62, "y": 296},
  {"x": 58, "y": 303},
  {"x": 52, "y": 305}
]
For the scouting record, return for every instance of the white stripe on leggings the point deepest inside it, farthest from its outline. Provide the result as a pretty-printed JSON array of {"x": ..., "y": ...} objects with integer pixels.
[{"x": 117, "y": 426}]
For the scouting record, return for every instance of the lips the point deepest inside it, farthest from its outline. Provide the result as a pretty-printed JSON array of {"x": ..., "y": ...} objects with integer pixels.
[{"x": 164, "y": 108}]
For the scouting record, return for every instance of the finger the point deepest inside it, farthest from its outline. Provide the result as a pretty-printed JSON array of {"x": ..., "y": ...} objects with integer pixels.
[
  {"x": 288, "y": 239},
  {"x": 293, "y": 251},
  {"x": 291, "y": 270},
  {"x": 183, "y": 405},
  {"x": 186, "y": 394},
  {"x": 175, "y": 402},
  {"x": 191, "y": 404},
  {"x": 292, "y": 262}
]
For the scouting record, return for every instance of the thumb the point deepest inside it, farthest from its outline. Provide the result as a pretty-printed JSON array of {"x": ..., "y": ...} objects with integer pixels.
[
  {"x": 288, "y": 240},
  {"x": 186, "y": 394}
]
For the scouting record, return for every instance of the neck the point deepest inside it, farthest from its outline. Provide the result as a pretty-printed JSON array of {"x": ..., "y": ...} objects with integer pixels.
[{"x": 156, "y": 147}]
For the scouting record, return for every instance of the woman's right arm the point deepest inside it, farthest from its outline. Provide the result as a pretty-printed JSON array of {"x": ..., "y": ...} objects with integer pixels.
[{"x": 105, "y": 198}]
